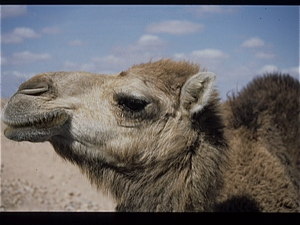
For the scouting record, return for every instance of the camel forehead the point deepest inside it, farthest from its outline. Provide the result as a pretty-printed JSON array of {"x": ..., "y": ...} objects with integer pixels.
[
  {"x": 164, "y": 70},
  {"x": 132, "y": 85},
  {"x": 165, "y": 75}
]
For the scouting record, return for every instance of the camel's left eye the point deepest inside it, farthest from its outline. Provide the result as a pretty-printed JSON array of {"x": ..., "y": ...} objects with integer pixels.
[
  {"x": 134, "y": 104},
  {"x": 131, "y": 103}
]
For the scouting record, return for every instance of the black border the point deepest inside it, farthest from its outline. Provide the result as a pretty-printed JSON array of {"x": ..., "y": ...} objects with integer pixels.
[
  {"x": 152, "y": 2},
  {"x": 66, "y": 218}
]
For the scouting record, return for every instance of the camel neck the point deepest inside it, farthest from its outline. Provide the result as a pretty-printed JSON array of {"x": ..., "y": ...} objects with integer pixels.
[{"x": 186, "y": 182}]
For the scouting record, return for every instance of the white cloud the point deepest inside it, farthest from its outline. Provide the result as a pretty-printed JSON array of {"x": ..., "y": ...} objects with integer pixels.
[
  {"x": 268, "y": 69},
  {"x": 179, "y": 56},
  {"x": 177, "y": 27},
  {"x": 26, "y": 57},
  {"x": 87, "y": 67},
  {"x": 263, "y": 55},
  {"x": 18, "y": 35},
  {"x": 145, "y": 48},
  {"x": 149, "y": 40},
  {"x": 4, "y": 61},
  {"x": 213, "y": 9},
  {"x": 8, "y": 11},
  {"x": 211, "y": 59},
  {"x": 51, "y": 30},
  {"x": 71, "y": 66},
  {"x": 108, "y": 59},
  {"x": 11, "y": 39},
  {"x": 13, "y": 73},
  {"x": 293, "y": 71},
  {"x": 76, "y": 43},
  {"x": 18, "y": 74},
  {"x": 113, "y": 64},
  {"x": 25, "y": 32},
  {"x": 209, "y": 54},
  {"x": 253, "y": 43},
  {"x": 147, "y": 44}
]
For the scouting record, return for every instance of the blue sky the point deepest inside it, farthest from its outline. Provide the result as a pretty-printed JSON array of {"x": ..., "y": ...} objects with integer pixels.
[{"x": 237, "y": 43}]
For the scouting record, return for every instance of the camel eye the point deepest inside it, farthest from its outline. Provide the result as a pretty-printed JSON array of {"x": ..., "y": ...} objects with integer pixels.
[
  {"x": 131, "y": 103},
  {"x": 134, "y": 104}
]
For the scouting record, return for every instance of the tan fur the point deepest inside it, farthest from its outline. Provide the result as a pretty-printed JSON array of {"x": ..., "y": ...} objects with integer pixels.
[{"x": 157, "y": 138}]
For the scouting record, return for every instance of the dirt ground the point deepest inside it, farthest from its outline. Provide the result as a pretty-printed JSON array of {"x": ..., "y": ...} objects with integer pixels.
[{"x": 35, "y": 178}]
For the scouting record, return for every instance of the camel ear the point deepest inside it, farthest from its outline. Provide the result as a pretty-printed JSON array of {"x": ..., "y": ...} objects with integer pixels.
[{"x": 196, "y": 92}]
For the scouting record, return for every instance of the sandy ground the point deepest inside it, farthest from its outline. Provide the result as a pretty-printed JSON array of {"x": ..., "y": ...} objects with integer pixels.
[{"x": 35, "y": 178}]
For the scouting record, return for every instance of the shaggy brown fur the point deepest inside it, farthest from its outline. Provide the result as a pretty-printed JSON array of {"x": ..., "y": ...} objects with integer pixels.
[
  {"x": 158, "y": 139},
  {"x": 262, "y": 125}
]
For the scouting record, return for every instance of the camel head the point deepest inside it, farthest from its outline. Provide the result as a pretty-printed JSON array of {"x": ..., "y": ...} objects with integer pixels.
[
  {"x": 143, "y": 114},
  {"x": 117, "y": 114}
]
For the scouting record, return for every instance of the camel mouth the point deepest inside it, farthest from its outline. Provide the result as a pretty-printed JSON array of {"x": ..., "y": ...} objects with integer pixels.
[{"x": 36, "y": 128}]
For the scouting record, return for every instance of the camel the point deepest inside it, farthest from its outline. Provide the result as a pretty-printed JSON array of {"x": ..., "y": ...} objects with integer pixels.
[{"x": 158, "y": 138}]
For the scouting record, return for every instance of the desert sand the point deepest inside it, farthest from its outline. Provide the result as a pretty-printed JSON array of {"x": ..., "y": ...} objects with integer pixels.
[{"x": 35, "y": 178}]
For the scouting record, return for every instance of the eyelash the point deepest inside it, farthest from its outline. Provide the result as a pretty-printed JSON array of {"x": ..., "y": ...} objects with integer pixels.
[
  {"x": 134, "y": 105},
  {"x": 129, "y": 103}
]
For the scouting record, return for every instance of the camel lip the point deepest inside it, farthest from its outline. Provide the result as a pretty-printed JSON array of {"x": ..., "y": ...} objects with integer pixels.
[
  {"x": 36, "y": 128},
  {"x": 29, "y": 134},
  {"x": 43, "y": 120}
]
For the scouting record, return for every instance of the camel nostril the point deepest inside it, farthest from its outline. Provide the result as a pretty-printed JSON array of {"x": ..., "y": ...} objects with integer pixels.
[
  {"x": 33, "y": 91},
  {"x": 34, "y": 86}
]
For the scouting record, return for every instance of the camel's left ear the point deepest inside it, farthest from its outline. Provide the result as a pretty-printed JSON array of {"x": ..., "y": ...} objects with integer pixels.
[{"x": 196, "y": 92}]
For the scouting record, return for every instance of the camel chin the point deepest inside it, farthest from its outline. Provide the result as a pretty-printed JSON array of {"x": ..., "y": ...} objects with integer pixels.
[{"x": 37, "y": 128}]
